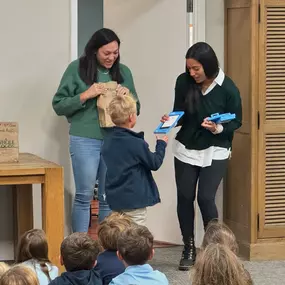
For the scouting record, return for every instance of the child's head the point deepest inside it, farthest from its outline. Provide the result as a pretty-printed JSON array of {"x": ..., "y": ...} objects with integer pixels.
[
  {"x": 123, "y": 110},
  {"x": 110, "y": 229},
  {"x": 217, "y": 232},
  {"x": 218, "y": 265},
  {"x": 135, "y": 245},
  {"x": 33, "y": 245},
  {"x": 79, "y": 252},
  {"x": 3, "y": 268},
  {"x": 19, "y": 275}
]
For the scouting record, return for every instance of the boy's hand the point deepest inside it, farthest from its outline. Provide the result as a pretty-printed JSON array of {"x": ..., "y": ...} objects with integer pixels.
[{"x": 162, "y": 138}]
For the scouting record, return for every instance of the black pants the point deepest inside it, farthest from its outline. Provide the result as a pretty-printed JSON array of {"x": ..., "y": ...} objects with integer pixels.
[{"x": 186, "y": 176}]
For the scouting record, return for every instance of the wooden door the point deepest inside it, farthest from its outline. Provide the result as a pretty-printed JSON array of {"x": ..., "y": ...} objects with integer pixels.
[{"x": 271, "y": 143}]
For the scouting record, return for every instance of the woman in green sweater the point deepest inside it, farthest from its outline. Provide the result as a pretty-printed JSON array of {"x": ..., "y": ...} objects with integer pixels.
[
  {"x": 76, "y": 99},
  {"x": 201, "y": 148}
]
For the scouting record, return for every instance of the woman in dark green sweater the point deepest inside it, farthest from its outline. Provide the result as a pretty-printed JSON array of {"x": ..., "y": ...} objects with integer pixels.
[
  {"x": 76, "y": 99},
  {"x": 201, "y": 148}
]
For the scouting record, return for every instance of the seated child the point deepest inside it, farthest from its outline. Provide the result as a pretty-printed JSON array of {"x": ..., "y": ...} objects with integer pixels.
[
  {"x": 108, "y": 264},
  {"x": 19, "y": 275},
  {"x": 218, "y": 265},
  {"x": 135, "y": 248},
  {"x": 130, "y": 187},
  {"x": 3, "y": 268},
  {"x": 78, "y": 255},
  {"x": 32, "y": 251},
  {"x": 219, "y": 233}
]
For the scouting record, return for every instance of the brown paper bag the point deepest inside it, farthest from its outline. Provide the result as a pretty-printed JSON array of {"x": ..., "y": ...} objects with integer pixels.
[
  {"x": 103, "y": 102},
  {"x": 9, "y": 142}
]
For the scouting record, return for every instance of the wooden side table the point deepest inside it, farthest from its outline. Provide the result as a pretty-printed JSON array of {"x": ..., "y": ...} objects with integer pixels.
[{"x": 30, "y": 170}]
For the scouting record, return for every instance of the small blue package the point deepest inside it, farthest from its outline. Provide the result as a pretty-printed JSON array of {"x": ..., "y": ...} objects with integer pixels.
[
  {"x": 164, "y": 128},
  {"x": 222, "y": 118}
]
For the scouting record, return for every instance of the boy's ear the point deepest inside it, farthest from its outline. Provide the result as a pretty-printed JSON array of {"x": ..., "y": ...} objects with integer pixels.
[
  {"x": 132, "y": 117},
  {"x": 151, "y": 254},
  {"x": 119, "y": 256},
  {"x": 61, "y": 260}
]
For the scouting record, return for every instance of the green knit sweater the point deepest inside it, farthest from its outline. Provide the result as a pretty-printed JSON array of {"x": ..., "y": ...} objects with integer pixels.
[
  {"x": 83, "y": 118},
  {"x": 221, "y": 99}
]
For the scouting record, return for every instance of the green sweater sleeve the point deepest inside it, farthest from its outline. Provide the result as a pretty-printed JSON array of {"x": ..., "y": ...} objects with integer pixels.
[
  {"x": 233, "y": 105},
  {"x": 129, "y": 83},
  {"x": 66, "y": 101}
]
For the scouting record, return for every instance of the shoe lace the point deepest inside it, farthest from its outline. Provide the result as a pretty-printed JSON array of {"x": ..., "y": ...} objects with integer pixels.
[{"x": 189, "y": 250}]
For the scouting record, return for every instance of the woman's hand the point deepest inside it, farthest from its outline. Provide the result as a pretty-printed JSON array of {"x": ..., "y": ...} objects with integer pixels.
[
  {"x": 164, "y": 118},
  {"x": 93, "y": 91},
  {"x": 209, "y": 125},
  {"x": 121, "y": 90}
]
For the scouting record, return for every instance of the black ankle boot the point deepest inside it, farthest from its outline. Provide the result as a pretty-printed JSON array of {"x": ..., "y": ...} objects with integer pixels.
[{"x": 188, "y": 255}]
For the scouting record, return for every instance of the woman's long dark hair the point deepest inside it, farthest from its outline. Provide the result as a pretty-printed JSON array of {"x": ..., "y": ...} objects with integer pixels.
[
  {"x": 88, "y": 63},
  {"x": 204, "y": 54}
]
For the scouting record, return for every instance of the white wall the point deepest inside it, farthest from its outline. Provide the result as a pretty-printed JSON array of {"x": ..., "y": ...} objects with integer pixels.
[
  {"x": 35, "y": 50},
  {"x": 215, "y": 37},
  {"x": 215, "y": 27},
  {"x": 153, "y": 35}
]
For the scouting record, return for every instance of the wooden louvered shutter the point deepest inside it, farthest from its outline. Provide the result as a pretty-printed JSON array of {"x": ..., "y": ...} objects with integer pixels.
[{"x": 271, "y": 188}]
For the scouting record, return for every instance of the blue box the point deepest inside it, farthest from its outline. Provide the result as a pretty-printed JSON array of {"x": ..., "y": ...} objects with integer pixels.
[
  {"x": 221, "y": 118},
  {"x": 164, "y": 128}
]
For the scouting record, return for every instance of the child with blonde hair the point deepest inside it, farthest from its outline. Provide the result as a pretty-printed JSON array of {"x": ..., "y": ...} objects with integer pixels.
[
  {"x": 108, "y": 263},
  {"x": 130, "y": 187},
  {"x": 3, "y": 268},
  {"x": 32, "y": 251},
  {"x": 19, "y": 275},
  {"x": 217, "y": 264},
  {"x": 218, "y": 232}
]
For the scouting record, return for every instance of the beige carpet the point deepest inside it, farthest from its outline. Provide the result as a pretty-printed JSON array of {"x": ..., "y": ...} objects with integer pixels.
[{"x": 262, "y": 273}]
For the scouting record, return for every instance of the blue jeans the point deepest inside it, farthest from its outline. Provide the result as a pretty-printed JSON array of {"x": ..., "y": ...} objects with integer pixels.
[{"x": 87, "y": 165}]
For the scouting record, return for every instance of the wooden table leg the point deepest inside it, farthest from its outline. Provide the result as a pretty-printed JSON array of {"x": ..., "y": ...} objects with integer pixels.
[
  {"x": 52, "y": 211},
  {"x": 23, "y": 210}
]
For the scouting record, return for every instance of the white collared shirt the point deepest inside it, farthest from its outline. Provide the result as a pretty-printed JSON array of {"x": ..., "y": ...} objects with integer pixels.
[{"x": 203, "y": 158}]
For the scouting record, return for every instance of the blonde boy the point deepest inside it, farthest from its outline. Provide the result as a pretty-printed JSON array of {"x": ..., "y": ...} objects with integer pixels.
[{"x": 130, "y": 187}]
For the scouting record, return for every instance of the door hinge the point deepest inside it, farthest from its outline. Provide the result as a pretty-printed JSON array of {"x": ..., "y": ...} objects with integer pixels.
[
  {"x": 258, "y": 120},
  {"x": 259, "y": 13},
  {"x": 257, "y": 222}
]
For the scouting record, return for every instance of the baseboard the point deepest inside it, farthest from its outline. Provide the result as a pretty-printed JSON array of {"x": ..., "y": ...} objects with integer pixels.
[{"x": 160, "y": 244}]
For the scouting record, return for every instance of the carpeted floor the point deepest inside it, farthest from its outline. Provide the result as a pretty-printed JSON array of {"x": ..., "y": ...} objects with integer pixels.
[{"x": 262, "y": 273}]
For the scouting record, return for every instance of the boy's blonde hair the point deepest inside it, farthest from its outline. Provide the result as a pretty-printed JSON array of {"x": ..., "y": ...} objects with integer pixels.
[
  {"x": 217, "y": 232},
  {"x": 121, "y": 108},
  {"x": 19, "y": 275},
  {"x": 110, "y": 229},
  {"x": 3, "y": 268},
  {"x": 218, "y": 265}
]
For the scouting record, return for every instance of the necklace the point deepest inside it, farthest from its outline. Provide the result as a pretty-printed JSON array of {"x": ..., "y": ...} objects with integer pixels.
[{"x": 106, "y": 72}]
